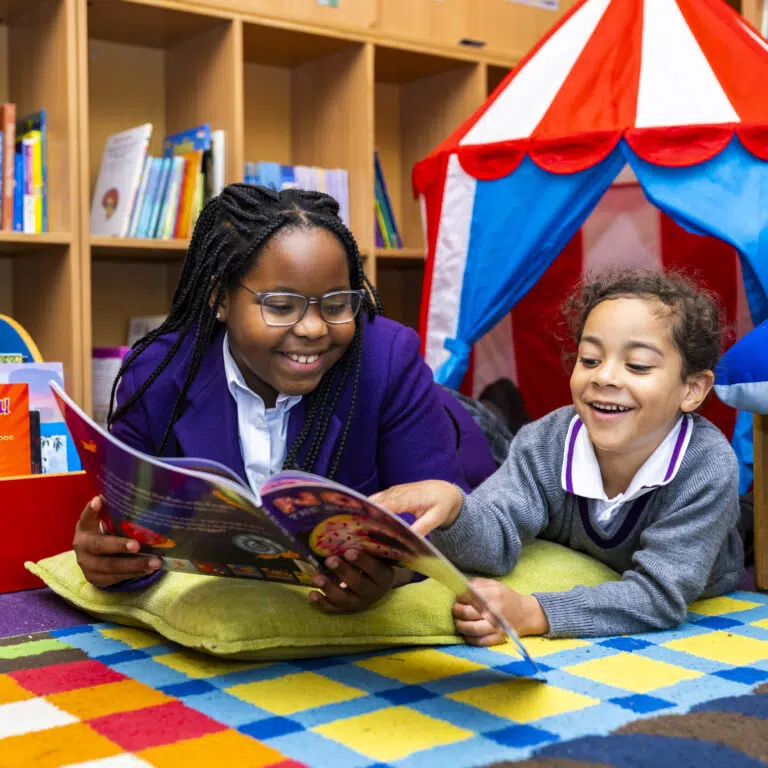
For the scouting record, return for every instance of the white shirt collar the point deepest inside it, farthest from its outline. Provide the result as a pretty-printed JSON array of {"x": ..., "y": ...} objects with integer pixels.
[
  {"x": 581, "y": 472},
  {"x": 236, "y": 381}
]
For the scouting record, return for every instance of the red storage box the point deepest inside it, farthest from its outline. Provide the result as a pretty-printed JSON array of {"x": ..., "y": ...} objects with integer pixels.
[{"x": 38, "y": 515}]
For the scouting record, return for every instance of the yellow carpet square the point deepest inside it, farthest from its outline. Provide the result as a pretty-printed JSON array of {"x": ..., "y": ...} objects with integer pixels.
[
  {"x": 136, "y": 638},
  {"x": 392, "y": 733},
  {"x": 413, "y": 667},
  {"x": 45, "y": 749},
  {"x": 11, "y": 691},
  {"x": 725, "y": 647},
  {"x": 294, "y": 693},
  {"x": 541, "y": 646},
  {"x": 717, "y": 606},
  {"x": 107, "y": 699},
  {"x": 632, "y": 672},
  {"x": 763, "y": 623},
  {"x": 228, "y": 747},
  {"x": 523, "y": 700},
  {"x": 199, "y": 665}
]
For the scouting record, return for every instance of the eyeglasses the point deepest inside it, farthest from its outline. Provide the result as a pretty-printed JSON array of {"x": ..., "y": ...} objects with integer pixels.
[{"x": 283, "y": 310}]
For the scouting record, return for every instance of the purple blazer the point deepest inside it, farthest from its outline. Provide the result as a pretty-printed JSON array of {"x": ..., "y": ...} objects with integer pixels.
[{"x": 400, "y": 430}]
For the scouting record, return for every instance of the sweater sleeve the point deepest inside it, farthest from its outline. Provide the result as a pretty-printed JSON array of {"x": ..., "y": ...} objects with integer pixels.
[
  {"x": 509, "y": 508},
  {"x": 678, "y": 553}
]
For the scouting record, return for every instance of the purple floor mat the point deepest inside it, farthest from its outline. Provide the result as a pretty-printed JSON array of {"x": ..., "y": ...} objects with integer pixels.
[{"x": 36, "y": 610}]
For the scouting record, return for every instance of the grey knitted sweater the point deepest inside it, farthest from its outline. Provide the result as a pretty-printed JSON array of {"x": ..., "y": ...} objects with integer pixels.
[{"x": 672, "y": 545}]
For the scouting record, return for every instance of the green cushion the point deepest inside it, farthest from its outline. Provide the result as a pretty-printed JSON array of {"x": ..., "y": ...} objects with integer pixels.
[{"x": 242, "y": 619}]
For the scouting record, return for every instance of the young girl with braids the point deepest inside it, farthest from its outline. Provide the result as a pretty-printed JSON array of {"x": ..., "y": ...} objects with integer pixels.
[{"x": 274, "y": 355}]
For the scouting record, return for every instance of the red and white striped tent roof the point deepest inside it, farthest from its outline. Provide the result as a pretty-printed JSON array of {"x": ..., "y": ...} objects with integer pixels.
[{"x": 676, "y": 78}]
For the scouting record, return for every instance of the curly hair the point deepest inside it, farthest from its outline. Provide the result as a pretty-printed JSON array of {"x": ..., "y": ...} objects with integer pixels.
[
  {"x": 231, "y": 232},
  {"x": 697, "y": 326}
]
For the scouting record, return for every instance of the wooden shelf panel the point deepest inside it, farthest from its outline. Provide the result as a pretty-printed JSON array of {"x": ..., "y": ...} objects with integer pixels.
[
  {"x": 12, "y": 243},
  {"x": 134, "y": 249},
  {"x": 401, "y": 254},
  {"x": 404, "y": 65},
  {"x": 278, "y": 47},
  {"x": 134, "y": 23},
  {"x": 11, "y": 10}
]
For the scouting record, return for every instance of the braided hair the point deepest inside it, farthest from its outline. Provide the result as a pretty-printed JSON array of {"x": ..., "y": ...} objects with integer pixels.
[{"x": 231, "y": 231}]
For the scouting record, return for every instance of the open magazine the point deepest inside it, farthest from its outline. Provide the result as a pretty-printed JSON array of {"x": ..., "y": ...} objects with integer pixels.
[{"x": 198, "y": 516}]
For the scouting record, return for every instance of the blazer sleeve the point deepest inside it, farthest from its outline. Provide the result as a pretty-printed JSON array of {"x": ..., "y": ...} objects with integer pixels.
[{"x": 417, "y": 439}]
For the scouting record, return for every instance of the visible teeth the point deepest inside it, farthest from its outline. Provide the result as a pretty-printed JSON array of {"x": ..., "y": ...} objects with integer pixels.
[
  {"x": 610, "y": 408},
  {"x": 303, "y": 358}
]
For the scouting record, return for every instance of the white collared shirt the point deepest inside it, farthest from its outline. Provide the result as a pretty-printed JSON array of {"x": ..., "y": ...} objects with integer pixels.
[
  {"x": 263, "y": 432},
  {"x": 581, "y": 471}
]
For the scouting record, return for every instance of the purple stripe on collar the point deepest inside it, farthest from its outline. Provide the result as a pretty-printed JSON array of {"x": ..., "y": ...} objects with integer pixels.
[
  {"x": 678, "y": 447},
  {"x": 569, "y": 458},
  {"x": 625, "y": 528}
]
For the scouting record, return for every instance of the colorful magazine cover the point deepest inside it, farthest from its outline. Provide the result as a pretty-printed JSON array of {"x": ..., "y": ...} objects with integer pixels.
[{"x": 198, "y": 516}]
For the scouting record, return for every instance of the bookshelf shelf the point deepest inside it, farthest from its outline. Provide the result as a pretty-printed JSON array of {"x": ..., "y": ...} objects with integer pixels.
[
  {"x": 415, "y": 255},
  {"x": 12, "y": 243},
  {"x": 134, "y": 249}
]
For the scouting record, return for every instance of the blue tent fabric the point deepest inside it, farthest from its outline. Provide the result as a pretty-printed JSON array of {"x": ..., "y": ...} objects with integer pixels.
[{"x": 522, "y": 221}]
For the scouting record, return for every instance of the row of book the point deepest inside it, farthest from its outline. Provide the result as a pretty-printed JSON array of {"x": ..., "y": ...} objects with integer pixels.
[
  {"x": 23, "y": 171},
  {"x": 333, "y": 181},
  {"x": 387, "y": 233},
  {"x": 34, "y": 439},
  {"x": 137, "y": 195}
]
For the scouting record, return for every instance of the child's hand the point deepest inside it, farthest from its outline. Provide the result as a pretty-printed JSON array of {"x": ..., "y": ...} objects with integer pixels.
[
  {"x": 106, "y": 559},
  {"x": 435, "y": 503},
  {"x": 523, "y": 612},
  {"x": 364, "y": 578}
]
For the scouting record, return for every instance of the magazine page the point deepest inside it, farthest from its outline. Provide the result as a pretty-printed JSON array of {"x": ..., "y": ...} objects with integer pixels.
[
  {"x": 327, "y": 519},
  {"x": 195, "y": 521}
]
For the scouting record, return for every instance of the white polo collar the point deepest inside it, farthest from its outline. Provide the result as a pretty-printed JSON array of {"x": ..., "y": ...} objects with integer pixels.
[{"x": 581, "y": 472}]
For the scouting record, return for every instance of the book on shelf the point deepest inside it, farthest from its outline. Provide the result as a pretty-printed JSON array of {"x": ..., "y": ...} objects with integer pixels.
[
  {"x": 119, "y": 181},
  {"x": 15, "y": 444},
  {"x": 387, "y": 232},
  {"x": 141, "y": 325},
  {"x": 198, "y": 516},
  {"x": 48, "y": 431},
  {"x": 32, "y": 142},
  {"x": 332, "y": 181},
  {"x": 106, "y": 362},
  {"x": 8, "y": 179}
]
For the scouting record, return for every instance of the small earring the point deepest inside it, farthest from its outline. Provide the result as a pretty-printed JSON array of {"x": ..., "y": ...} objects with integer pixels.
[{"x": 218, "y": 315}]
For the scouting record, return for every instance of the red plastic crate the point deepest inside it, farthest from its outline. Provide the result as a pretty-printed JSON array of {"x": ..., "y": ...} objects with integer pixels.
[{"x": 38, "y": 515}]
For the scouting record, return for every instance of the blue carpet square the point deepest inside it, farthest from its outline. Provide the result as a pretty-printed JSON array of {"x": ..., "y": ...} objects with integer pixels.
[
  {"x": 625, "y": 643},
  {"x": 746, "y": 675},
  {"x": 716, "y": 622},
  {"x": 271, "y": 728},
  {"x": 321, "y": 663},
  {"x": 192, "y": 688},
  {"x": 119, "y": 657},
  {"x": 69, "y": 631},
  {"x": 642, "y": 704},
  {"x": 521, "y": 736},
  {"x": 523, "y": 669},
  {"x": 408, "y": 694}
]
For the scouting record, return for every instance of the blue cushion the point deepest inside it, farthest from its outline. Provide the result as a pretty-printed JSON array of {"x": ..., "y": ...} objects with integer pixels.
[{"x": 741, "y": 376}]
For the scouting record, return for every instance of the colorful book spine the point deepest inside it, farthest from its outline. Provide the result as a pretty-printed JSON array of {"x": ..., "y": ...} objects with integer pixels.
[
  {"x": 36, "y": 121},
  {"x": 29, "y": 196},
  {"x": 149, "y": 197},
  {"x": 8, "y": 125},
  {"x": 133, "y": 225},
  {"x": 18, "y": 191},
  {"x": 191, "y": 172},
  {"x": 170, "y": 213},
  {"x": 166, "y": 165},
  {"x": 33, "y": 143}
]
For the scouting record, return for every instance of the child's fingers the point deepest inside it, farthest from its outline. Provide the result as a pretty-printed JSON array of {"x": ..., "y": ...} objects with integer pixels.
[
  {"x": 343, "y": 599},
  {"x": 89, "y": 519},
  {"x": 381, "y": 574},
  {"x": 496, "y": 638},
  {"x": 466, "y": 612},
  {"x": 426, "y": 522},
  {"x": 319, "y": 600},
  {"x": 105, "y": 544},
  {"x": 475, "y": 628},
  {"x": 104, "y": 571}
]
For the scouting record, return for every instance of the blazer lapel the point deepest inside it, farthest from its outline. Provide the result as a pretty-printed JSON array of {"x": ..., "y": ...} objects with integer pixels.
[{"x": 208, "y": 427}]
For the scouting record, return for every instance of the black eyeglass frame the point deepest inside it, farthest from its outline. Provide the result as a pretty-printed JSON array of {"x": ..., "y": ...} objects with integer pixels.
[{"x": 261, "y": 295}]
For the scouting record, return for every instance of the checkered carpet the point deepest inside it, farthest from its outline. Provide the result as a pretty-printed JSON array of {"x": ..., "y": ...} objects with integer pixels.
[{"x": 122, "y": 697}]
